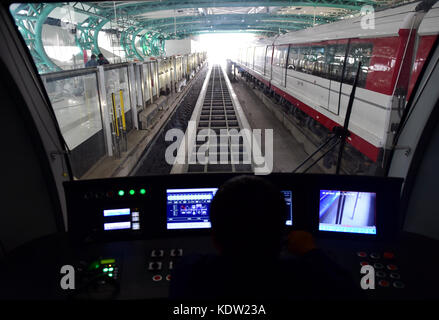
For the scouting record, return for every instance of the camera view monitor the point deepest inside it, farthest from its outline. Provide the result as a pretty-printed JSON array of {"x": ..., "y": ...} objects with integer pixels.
[
  {"x": 347, "y": 211},
  {"x": 190, "y": 208},
  {"x": 121, "y": 219}
]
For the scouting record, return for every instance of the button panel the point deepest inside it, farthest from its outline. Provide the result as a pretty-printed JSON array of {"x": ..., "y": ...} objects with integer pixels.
[
  {"x": 386, "y": 268},
  {"x": 159, "y": 260}
]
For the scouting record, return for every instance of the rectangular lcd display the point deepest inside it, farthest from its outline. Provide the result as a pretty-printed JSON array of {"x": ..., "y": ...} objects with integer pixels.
[
  {"x": 116, "y": 212},
  {"x": 117, "y": 225},
  {"x": 121, "y": 219},
  {"x": 190, "y": 208},
  {"x": 347, "y": 211}
]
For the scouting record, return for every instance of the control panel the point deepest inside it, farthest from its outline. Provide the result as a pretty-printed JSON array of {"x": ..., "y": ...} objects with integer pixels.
[{"x": 150, "y": 223}]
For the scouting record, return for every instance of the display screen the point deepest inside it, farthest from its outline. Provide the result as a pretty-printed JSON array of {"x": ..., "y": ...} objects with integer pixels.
[
  {"x": 121, "y": 219},
  {"x": 190, "y": 208},
  {"x": 347, "y": 211},
  {"x": 288, "y": 195}
]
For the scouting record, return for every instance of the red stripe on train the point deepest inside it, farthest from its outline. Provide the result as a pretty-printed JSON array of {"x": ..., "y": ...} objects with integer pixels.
[{"x": 366, "y": 148}]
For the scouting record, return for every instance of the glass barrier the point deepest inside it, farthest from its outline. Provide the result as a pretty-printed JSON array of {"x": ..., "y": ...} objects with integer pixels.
[
  {"x": 119, "y": 101},
  {"x": 75, "y": 100}
]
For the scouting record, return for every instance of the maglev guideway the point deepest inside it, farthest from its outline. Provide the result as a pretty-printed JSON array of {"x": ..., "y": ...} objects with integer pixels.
[{"x": 218, "y": 137}]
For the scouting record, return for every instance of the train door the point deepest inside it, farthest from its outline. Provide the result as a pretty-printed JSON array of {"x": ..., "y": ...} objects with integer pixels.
[
  {"x": 283, "y": 64},
  {"x": 279, "y": 65},
  {"x": 318, "y": 68},
  {"x": 335, "y": 59},
  {"x": 268, "y": 60}
]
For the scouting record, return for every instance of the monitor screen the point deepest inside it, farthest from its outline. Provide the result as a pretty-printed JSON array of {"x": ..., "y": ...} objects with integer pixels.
[
  {"x": 121, "y": 219},
  {"x": 347, "y": 211},
  {"x": 190, "y": 208}
]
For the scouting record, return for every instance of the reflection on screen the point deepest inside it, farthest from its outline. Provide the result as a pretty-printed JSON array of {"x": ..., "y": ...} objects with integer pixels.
[{"x": 347, "y": 211}]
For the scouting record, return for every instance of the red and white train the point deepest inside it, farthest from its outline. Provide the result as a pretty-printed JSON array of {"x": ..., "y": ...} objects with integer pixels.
[{"x": 305, "y": 68}]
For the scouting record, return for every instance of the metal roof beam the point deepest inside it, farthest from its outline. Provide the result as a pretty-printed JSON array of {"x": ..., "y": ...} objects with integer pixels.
[
  {"x": 252, "y": 18},
  {"x": 137, "y": 8}
]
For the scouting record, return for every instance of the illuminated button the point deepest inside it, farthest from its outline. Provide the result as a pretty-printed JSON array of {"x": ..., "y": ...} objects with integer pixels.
[
  {"x": 378, "y": 265},
  {"x": 142, "y": 191},
  {"x": 364, "y": 263},
  {"x": 388, "y": 255},
  {"x": 362, "y": 254},
  {"x": 375, "y": 255},
  {"x": 110, "y": 275},
  {"x": 105, "y": 269},
  {"x": 121, "y": 193},
  {"x": 132, "y": 192},
  {"x": 168, "y": 277},
  {"x": 395, "y": 275},
  {"x": 383, "y": 283},
  {"x": 398, "y": 284},
  {"x": 157, "y": 277},
  {"x": 110, "y": 269},
  {"x": 380, "y": 274},
  {"x": 392, "y": 267}
]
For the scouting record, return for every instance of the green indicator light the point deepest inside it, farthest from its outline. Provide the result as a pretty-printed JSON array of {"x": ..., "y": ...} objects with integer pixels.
[
  {"x": 110, "y": 269},
  {"x": 142, "y": 191},
  {"x": 132, "y": 192},
  {"x": 106, "y": 261},
  {"x": 121, "y": 192},
  {"x": 105, "y": 270},
  {"x": 110, "y": 274}
]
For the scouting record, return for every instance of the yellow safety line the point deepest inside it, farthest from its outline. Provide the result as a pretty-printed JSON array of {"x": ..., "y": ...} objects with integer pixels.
[
  {"x": 122, "y": 109},
  {"x": 115, "y": 114}
]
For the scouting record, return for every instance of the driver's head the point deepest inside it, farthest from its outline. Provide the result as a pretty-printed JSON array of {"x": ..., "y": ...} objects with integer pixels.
[{"x": 248, "y": 214}]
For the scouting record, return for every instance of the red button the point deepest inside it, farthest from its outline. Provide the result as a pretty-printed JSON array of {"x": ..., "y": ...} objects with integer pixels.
[
  {"x": 388, "y": 255},
  {"x": 362, "y": 254},
  {"x": 168, "y": 277},
  {"x": 157, "y": 277},
  {"x": 392, "y": 267},
  {"x": 364, "y": 263},
  {"x": 384, "y": 283}
]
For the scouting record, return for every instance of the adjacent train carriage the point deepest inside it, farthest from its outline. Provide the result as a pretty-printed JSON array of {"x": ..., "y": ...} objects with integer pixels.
[{"x": 314, "y": 70}]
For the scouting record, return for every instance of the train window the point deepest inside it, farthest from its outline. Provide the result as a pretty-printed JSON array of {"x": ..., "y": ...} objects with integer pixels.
[
  {"x": 114, "y": 118},
  {"x": 242, "y": 55},
  {"x": 335, "y": 59},
  {"x": 268, "y": 57},
  {"x": 302, "y": 58},
  {"x": 280, "y": 56},
  {"x": 249, "y": 60},
  {"x": 259, "y": 58},
  {"x": 292, "y": 58},
  {"x": 316, "y": 61},
  {"x": 358, "y": 52}
]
